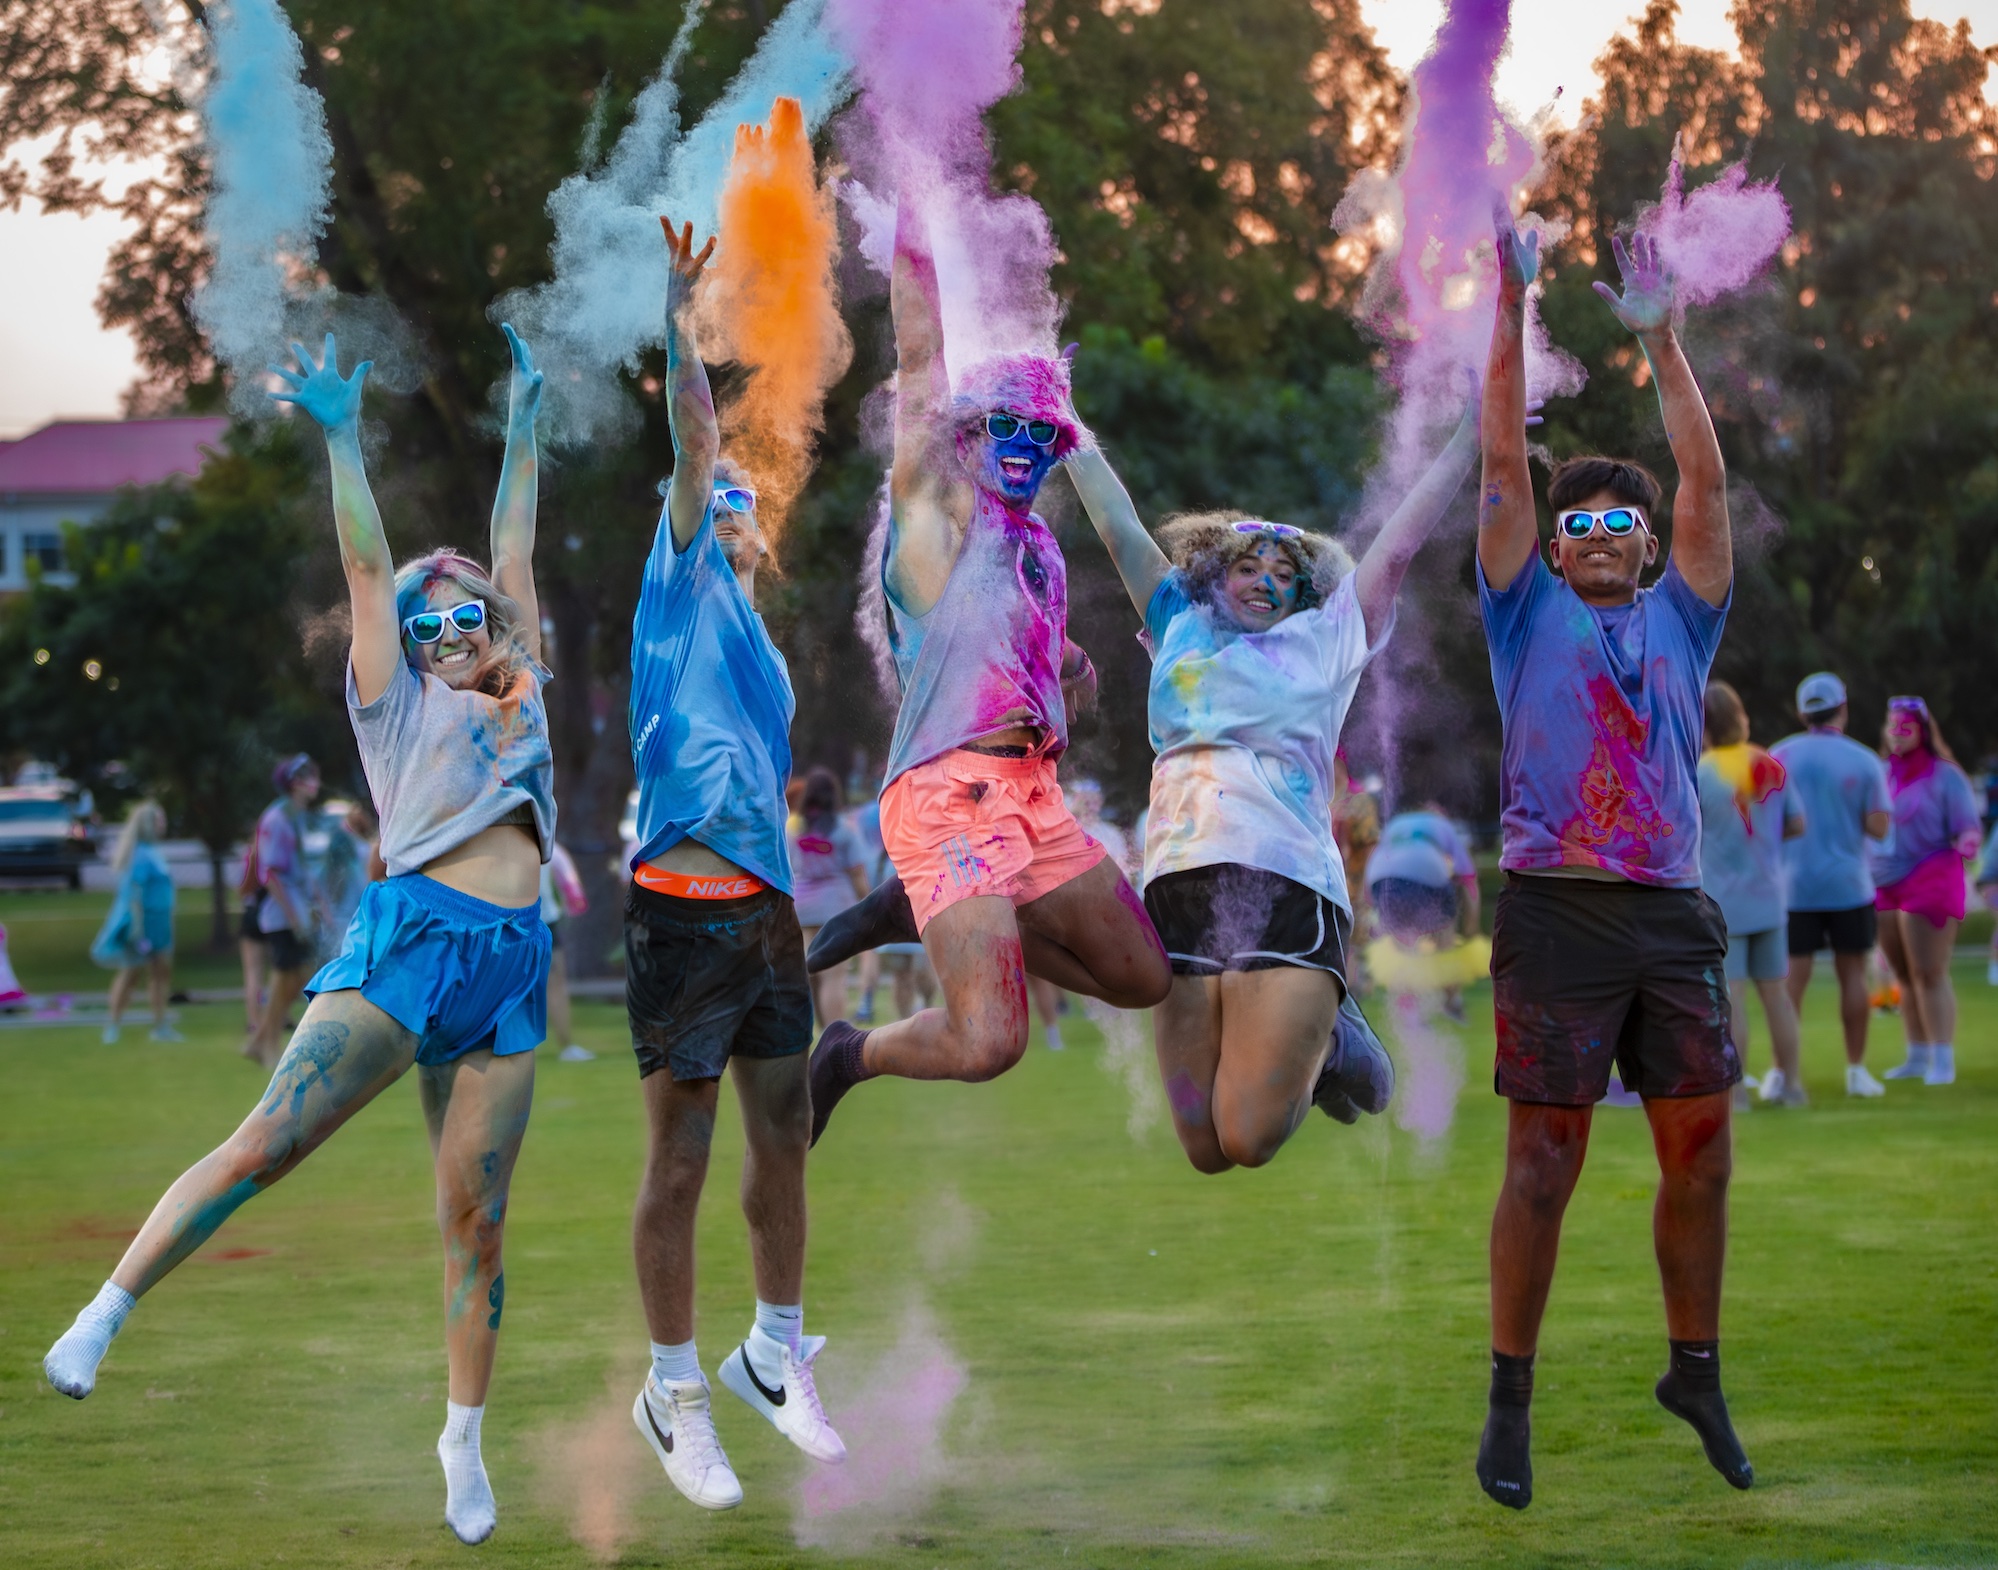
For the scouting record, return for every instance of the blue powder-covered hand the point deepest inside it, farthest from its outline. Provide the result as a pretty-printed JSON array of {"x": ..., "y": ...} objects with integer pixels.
[
  {"x": 1518, "y": 255},
  {"x": 1648, "y": 301},
  {"x": 524, "y": 393},
  {"x": 321, "y": 391}
]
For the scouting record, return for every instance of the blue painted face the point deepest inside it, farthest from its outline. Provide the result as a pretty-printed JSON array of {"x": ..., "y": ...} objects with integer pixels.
[{"x": 1011, "y": 469}]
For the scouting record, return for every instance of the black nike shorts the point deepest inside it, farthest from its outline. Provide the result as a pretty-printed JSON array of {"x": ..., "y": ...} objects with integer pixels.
[
  {"x": 1586, "y": 973},
  {"x": 1229, "y": 917},
  {"x": 710, "y": 979},
  {"x": 1852, "y": 931}
]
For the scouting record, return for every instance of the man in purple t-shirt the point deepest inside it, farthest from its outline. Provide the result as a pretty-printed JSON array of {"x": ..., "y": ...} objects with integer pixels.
[{"x": 1604, "y": 949}]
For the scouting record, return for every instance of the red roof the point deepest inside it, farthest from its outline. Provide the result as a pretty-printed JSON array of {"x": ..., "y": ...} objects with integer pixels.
[{"x": 91, "y": 457}]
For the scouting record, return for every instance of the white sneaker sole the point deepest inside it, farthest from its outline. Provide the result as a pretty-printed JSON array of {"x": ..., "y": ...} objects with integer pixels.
[
  {"x": 734, "y": 1373},
  {"x": 641, "y": 1416}
]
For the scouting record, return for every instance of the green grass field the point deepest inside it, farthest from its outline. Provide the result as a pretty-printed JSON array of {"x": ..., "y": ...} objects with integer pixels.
[{"x": 1272, "y": 1368}]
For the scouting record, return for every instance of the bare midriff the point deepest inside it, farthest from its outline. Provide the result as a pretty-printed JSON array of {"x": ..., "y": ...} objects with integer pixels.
[
  {"x": 1029, "y": 736},
  {"x": 500, "y": 865},
  {"x": 693, "y": 859}
]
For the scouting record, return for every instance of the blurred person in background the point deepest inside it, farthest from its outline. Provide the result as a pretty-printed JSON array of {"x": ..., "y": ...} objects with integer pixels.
[
  {"x": 562, "y": 896},
  {"x": 1921, "y": 884},
  {"x": 1423, "y": 889},
  {"x": 349, "y": 867},
  {"x": 865, "y": 821},
  {"x": 288, "y": 914},
  {"x": 138, "y": 932},
  {"x": 1746, "y": 812},
  {"x": 1841, "y": 788},
  {"x": 250, "y": 944},
  {"x": 1987, "y": 890},
  {"x": 830, "y": 865}
]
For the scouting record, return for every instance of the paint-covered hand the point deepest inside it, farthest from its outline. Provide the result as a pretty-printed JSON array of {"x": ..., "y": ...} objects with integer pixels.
[
  {"x": 1648, "y": 301},
  {"x": 321, "y": 391},
  {"x": 684, "y": 264},
  {"x": 1518, "y": 256},
  {"x": 524, "y": 393}
]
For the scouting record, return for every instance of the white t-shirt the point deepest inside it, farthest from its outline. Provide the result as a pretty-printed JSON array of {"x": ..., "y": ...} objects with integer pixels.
[{"x": 1245, "y": 725}]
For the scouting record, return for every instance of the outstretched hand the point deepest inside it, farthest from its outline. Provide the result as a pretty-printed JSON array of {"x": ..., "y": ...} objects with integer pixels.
[
  {"x": 684, "y": 267},
  {"x": 524, "y": 393},
  {"x": 321, "y": 391},
  {"x": 1518, "y": 255},
  {"x": 1648, "y": 300}
]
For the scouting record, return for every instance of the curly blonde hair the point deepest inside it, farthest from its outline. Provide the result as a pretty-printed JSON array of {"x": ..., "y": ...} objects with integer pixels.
[{"x": 1204, "y": 545}]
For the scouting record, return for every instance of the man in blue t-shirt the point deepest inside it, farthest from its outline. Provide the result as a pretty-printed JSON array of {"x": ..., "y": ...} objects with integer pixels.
[
  {"x": 714, "y": 958},
  {"x": 1604, "y": 949},
  {"x": 1842, "y": 788}
]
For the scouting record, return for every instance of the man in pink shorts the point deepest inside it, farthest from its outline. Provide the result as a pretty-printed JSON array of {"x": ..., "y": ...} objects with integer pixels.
[{"x": 993, "y": 872}]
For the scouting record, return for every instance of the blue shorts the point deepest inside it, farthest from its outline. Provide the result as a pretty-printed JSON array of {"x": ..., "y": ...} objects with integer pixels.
[{"x": 459, "y": 974}]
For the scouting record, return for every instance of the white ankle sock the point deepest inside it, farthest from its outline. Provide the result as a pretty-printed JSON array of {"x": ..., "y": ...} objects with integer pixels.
[
  {"x": 71, "y": 1364},
  {"x": 781, "y": 1322},
  {"x": 676, "y": 1365},
  {"x": 469, "y": 1508},
  {"x": 1942, "y": 1058}
]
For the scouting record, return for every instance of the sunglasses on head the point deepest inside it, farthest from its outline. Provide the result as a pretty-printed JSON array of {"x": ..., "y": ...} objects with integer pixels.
[
  {"x": 1578, "y": 524},
  {"x": 736, "y": 498},
  {"x": 1003, "y": 427},
  {"x": 1283, "y": 531},
  {"x": 1907, "y": 706},
  {"x": 428, "y": 626}
]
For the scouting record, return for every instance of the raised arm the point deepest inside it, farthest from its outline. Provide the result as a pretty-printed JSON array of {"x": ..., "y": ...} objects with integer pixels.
[
  {"x": 690, "y": 404},
  {"x": 1702, "y": 546},
  {"x": 335, "y": 402},
  {"x": 1507, "y": 533},
  {"x": 922, "y": 544},
  {"x": 1378, "y": 579},
  {"x": 1134, "y": 553},
  {"x": 519, "y": 495}
]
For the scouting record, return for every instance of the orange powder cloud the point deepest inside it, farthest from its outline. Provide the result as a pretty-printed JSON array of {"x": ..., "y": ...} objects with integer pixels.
[{"x": 770, "y": 303}]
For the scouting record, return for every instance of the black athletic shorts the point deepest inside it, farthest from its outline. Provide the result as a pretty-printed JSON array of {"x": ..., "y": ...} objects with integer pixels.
[
  {"x": 1852, "y": 931},
  {"x": 709, "y": 979},
  {"x": 1227, "y": 917},
  {"x": 288, "y": 951},
  {"x": 252, "y": 913},
  {"x": 1586, "y": 973}
]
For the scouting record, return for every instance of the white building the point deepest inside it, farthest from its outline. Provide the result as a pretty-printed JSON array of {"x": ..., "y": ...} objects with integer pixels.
[{"x": 70, "y": 471}]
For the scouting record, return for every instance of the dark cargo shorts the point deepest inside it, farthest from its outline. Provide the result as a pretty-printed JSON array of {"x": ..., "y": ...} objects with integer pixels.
[
  {"x": 1586, "y": 974},
  {"x": 706, "y": 980}
]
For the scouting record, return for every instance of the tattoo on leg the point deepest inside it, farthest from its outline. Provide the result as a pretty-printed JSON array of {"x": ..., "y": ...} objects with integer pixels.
[{"x": 310, "y": 1060}]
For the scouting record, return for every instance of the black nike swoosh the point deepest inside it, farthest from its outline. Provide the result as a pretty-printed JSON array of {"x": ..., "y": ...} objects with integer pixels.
[
  {"x": 665, "y": 1439},
  {"x": 774, "y": 1397}
]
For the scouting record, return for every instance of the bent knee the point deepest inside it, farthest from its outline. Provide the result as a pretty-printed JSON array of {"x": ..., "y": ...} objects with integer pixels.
[
  {"x": 986, "y": 1052},
  {"x": 1204, "y": 1152},
  {"x": 1251, "y": 1147}
]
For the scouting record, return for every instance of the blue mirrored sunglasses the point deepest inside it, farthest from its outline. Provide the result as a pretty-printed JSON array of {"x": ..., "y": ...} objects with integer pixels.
[
  {"x": 1003, "y": 427},
  {"x": 1578, "y": 524},
  {"x": 736, "y": 498},
  {"x": 428, "y": 626}
]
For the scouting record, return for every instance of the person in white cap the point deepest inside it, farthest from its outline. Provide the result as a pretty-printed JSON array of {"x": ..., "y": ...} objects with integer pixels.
[{"x": 1841, "y": 786}]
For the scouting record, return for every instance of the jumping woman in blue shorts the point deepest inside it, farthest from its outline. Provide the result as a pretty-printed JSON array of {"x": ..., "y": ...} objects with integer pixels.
[{"x": 445, "y": 965}]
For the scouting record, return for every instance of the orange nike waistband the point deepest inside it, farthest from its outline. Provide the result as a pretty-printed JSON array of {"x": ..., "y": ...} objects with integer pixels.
[{"x": 684, "y": 885}]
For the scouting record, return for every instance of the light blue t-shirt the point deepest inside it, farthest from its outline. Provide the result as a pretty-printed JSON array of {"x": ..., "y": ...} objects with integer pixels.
[
  {"x": 711, "y": 709},
  {"x": 1603, "y": 714},
  {"x": 1836, "y": 782},
  {"x": 1745, "y": 806},
  {"x": 1421, "y": 847}
]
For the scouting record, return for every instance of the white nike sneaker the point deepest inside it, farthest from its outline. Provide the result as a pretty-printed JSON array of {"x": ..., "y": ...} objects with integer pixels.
[
  {"x": 1917, "y": 1066},
  {"x": 1858, "y": 1082},
  {"x": 1770, "y": 1091},
  {"x": 792, "y": 1405},
  {"x": 1942, "y": 1066},
  {"x": 678, "y": 1424}
]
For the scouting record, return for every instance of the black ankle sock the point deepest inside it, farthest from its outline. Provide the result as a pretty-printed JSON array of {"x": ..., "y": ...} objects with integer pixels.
[
  {"x": 1505, "y": 1453},
  {"x": 850, "y": 1056},
  {"x": 1697, "y": 1363},
  {"x": 1691, "y": 1391}
]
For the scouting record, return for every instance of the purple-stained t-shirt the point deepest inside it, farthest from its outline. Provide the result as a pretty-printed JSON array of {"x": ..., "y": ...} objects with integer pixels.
[
  {"x": 1602, "y": 712},
  {"x": 1934, "y": 807},
  {"x": 987, "y": 655}
]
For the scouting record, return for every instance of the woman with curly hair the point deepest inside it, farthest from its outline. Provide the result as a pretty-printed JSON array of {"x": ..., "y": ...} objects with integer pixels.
[
  {"x": 445, "y": 965},
  {"x": 1258, "y": 632}
]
